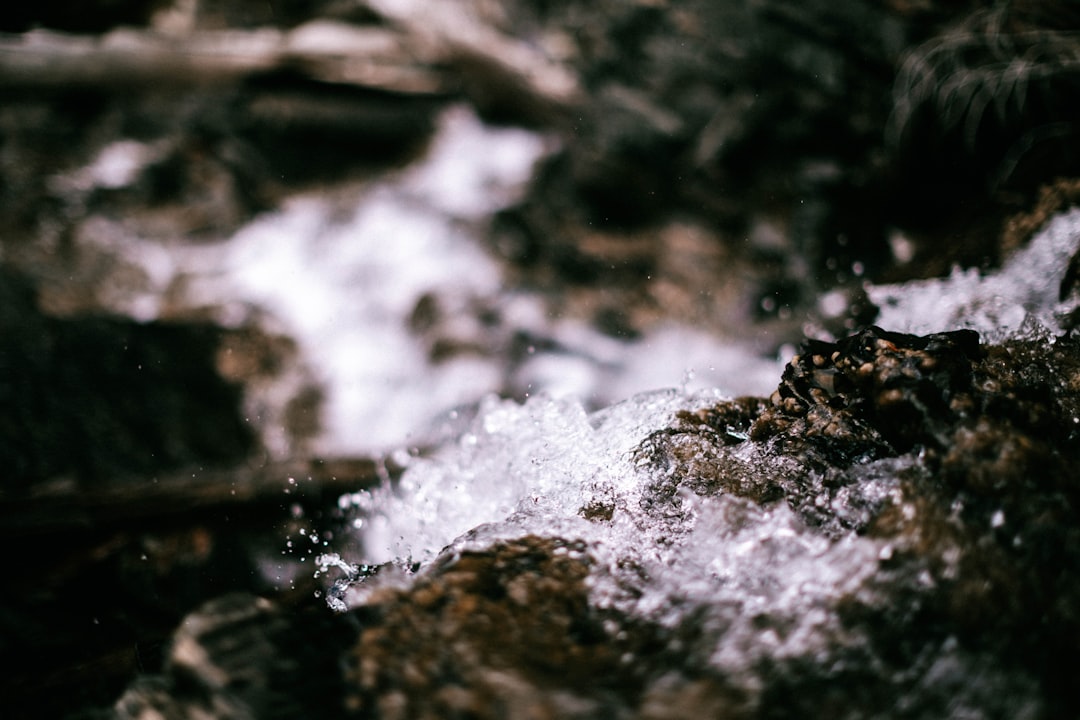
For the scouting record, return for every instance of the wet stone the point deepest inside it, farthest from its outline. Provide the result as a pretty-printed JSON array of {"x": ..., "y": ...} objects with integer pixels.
[
  {"x": 503, "y": 632},
  {"x": 918, "y": 562},
  {"x": 101, "y": 398},
  {"x": 241, "y": 656},
  {"x": 872, "y": 394},
  {"x": 964, "y": 460}
]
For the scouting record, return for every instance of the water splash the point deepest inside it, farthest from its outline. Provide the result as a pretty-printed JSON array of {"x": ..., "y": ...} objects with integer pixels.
[
  {"x": 1019, "y": 300},
  {"x": 757, "y": 582},
  {"x": 548, "y": 468}
]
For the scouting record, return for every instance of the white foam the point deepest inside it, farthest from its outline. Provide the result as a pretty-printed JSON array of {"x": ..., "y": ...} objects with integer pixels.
[
  {"x": 344, "y": 287},
  {"x": 1020, "y": 297},
  {"x": 535, "y": 468},
  {"x": 342, "y": 278}
]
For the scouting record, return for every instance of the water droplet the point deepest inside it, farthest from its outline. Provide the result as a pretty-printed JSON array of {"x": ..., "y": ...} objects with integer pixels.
[{"x": 997, "y": 519}]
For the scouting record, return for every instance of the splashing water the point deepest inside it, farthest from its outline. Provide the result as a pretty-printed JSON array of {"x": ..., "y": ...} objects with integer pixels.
[
  {"x": 664, "y": 552},
  {"x": 1019, "y": 299},
  {"x": 549, "y": 468}
]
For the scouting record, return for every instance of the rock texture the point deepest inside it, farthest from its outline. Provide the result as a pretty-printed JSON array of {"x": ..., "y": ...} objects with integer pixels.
[
  {"x": 244, "y": 657},
  {"x": 986, "y": 518}
]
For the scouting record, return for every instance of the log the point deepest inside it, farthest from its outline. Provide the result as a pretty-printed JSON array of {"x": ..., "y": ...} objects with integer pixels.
[
  {"x": 369, "y": 57},
  {"x": 413, "y": 54},
  {"x": 61, "y": 507}
]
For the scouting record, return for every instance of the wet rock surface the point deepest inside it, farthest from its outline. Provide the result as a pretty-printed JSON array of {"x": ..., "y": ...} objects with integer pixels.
[
  {"x": 870, "y": 395},
  {"x": 976, "y": 561},
  {"x": 505, "y": 631},
  {"x": 243, "y": 656},
  {"x": 960, "y": 601}
]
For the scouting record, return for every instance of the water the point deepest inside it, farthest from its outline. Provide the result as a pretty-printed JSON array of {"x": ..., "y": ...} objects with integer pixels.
[
  {"x": 1019, "y": 299},
  {"x": 547, "y": 467},
  {"x": 671, "y": 550},
  {"x": 341, "y": 272},
  {"x": 550, "y": 457},
  {"x": 343, "y": 276}
]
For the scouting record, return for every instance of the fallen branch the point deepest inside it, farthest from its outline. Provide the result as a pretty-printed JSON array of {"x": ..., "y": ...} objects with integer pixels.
[
  {"x": 334, "y": 52},
  {"x": 63, "y": 507},
  {"x": 414, "y": 53}
]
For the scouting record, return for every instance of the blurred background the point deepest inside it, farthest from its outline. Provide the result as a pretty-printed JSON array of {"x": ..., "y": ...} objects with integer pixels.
[{"x": 257, "y": 254}]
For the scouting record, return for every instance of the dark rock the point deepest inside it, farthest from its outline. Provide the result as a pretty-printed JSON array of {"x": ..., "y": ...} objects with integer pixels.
[
  {"x": 243, "y": 657},
  {"x": 304, "y": 130},
  {"x": 986, "y": 529},
  {"x": 872, "y": 394},
  {"x": 492, "y": 634},
  {"x": 103, "y": 398},
  {"x": 74, "y": 17}
]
